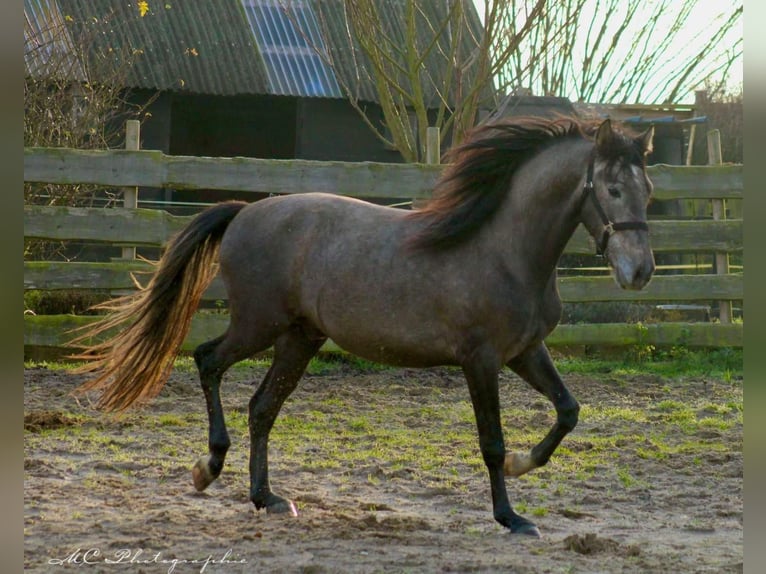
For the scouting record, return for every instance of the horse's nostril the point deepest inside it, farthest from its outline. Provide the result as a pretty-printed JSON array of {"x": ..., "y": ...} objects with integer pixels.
[{"x": 642, "y": 274}]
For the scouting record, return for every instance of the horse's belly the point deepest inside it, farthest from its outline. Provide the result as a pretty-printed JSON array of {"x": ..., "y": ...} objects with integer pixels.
[
  {"x": 394, "y": 358},
  {"x": 390, "y": 333},
  {"x": 399, "y": 357},
  {"x": 398, "y": 350}
]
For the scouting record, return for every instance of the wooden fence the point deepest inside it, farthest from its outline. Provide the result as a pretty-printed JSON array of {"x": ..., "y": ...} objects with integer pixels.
[{"x": 145, "y": 227}]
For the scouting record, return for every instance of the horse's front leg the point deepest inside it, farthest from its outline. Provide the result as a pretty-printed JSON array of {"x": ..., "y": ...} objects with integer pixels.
[
  {"x": 536, "y": 367},
  {"x": 481, "y": 371}
]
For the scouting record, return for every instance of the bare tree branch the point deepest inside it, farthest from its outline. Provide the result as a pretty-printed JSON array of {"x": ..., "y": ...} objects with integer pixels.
[{"x": 628, "y": 51}]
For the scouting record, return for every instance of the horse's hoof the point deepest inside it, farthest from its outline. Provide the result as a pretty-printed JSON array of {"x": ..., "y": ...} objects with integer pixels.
[
  {"x": 284, "y": 506},
  {"x": 201, "y": 474}
]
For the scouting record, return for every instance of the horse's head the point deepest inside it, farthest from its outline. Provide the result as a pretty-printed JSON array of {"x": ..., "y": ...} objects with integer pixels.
[{"x": 614, "y": 202}]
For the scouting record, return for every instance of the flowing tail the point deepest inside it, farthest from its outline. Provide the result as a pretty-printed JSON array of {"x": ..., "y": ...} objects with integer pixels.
[{"x": 134, "y": 364}]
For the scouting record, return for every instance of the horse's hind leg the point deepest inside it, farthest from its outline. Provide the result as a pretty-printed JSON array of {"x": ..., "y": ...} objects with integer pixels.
[
  {"x": 536, "y": 367},
  {"x": 212, "y": 359},
  {"x": 292, "y": 352}
]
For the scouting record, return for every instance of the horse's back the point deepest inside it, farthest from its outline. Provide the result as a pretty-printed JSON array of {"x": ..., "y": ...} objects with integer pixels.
[
  {"x": 282, "y": 247},
  {"x": 292, "y": 224}
]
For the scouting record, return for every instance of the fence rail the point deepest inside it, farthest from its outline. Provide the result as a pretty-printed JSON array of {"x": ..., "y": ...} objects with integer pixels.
[
  {"x": 151, "y": 227},
  {"x": 146, "y": 227},
  {"x": 48, "y": 275},
  {"x": 121, "y": 168}
]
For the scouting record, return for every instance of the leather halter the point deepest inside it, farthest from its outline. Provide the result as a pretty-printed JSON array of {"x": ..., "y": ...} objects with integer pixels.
[{"x": 610, "y": 228}]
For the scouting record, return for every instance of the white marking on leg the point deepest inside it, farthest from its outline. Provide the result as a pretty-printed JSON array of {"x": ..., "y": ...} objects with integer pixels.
[
  {"x": 201, "y": 474},
  {"x": 517, "y": 464}
]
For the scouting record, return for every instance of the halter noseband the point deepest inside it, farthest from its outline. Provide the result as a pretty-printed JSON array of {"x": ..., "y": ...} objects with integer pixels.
[{"x": 609, "y": 228}]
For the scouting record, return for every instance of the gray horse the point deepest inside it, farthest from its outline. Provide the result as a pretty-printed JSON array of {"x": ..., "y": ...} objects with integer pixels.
[{"x": 469, "y": 280}]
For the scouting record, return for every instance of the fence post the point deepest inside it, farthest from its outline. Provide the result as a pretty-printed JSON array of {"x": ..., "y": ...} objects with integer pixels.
[
  {"x": 433, "y": 146},
  {"x": 433, "y": 157},
  {"x": 715, "y": 157},
  {"x": 130, "y": 194}
]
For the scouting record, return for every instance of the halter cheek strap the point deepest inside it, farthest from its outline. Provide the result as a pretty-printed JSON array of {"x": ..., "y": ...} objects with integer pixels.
[{"x": 610, "y": 228}]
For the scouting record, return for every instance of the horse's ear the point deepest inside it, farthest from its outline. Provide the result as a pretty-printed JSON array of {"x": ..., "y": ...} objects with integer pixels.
[
  {"x": 604, "y": 136},
  {"x": 644, "y": 140}
]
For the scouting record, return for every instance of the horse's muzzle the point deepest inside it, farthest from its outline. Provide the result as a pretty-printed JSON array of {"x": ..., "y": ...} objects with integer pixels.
[{"x": 632, "y": 274}]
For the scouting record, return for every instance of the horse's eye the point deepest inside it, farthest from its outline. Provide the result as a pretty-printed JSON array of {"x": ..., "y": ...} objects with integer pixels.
[{"x": 614, "y": 192}]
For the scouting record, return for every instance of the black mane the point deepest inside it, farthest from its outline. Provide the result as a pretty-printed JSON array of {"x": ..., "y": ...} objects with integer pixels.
[{"x": 475, "y": 183}]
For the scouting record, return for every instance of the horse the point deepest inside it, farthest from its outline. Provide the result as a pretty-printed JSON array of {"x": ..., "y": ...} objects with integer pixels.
[{"x": 467, "y": 280}]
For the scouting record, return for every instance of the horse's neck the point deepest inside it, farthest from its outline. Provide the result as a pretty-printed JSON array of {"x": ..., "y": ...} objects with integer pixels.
[{"x": 542, "y": 214}]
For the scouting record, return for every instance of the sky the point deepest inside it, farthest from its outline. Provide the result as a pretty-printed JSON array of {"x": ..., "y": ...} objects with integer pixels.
[{"x": 705, "y": 18}]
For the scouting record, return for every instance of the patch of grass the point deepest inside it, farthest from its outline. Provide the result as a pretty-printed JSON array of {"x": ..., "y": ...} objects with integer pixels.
[
  {"x": 690, "y": 418},
  {"x": 725, "y": 364},
  {"x": 660, "y": 446},
  {"x": 169, "y": 419},
  {"x": 169, "y": 450},
  {"x": 359, "y": 424},
  {"x": 51, "y": 365},
  {"x": 597, "y": 413},
  {"x": 321, "y": 366},
  {"x": 716, "y": 408},
  {"x": 625, "y": 478},
  {"x": 540, "y": 511},
  {"x": 237, "y": 421},
  {"x": 670, "y": 406},
  {"x": 716, "y": 423},
  {"x": 684, "y": 419},
  {"x": 185, "y": 364},
  {"x": 652, "y": 453}
]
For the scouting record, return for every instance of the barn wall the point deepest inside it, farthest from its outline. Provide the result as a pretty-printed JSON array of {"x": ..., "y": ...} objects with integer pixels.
[
  {"x": 250, "y": 126},
  {"x": 332, "y": 130}
]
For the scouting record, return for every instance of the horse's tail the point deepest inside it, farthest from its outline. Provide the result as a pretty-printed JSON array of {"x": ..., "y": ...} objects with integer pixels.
[{"x": 134, "y": 364}]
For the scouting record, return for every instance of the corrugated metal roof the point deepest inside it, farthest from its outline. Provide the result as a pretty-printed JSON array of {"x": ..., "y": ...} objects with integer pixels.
[
  {"x": 349, "y": 63},
  {"x": 230, "y": 47},
  {"x": 289, "y": 42},
  {"x": 180, "y": 45}
]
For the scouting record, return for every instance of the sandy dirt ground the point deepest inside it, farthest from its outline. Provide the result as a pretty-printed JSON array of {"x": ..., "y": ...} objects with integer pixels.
[{"x": 115, "y": 495}]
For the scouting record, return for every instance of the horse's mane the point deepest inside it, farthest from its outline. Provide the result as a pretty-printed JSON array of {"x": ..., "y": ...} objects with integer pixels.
[{"x": 479, "y": 174}]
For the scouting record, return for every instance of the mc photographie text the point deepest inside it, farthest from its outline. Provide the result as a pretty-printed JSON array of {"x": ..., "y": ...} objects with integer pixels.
[{"x": 140, "y": 557}]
